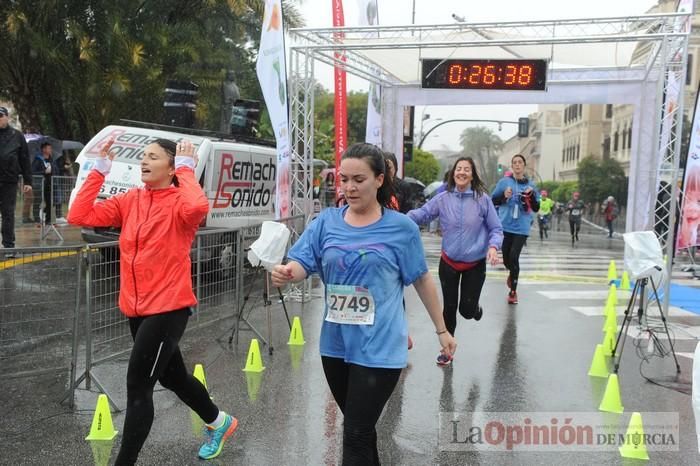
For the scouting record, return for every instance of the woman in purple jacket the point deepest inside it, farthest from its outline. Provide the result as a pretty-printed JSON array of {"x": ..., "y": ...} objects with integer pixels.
[{"x": 471, "y": 235}]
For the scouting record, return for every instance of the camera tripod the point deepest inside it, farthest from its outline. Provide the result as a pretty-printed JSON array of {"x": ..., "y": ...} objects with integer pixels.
[
  {"x": 639, "y": 291},
  {"x": 245, "y": 316}
]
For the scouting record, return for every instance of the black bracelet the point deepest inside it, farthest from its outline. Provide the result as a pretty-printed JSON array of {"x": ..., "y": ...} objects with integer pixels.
[{"x": 441, "y": 332}]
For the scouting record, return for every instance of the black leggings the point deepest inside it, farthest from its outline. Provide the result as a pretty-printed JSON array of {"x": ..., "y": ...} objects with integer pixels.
[
  {"x": 361, "y": 393},
  {"x": 575, "y": 226},
  {"x": 511, "y": 248},
  {"x": 464, "y": 295},
  {"x": 156, "y": 356}
]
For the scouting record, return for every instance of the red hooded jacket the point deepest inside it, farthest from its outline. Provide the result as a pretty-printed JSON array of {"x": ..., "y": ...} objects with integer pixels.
[{"x": 157, "y": 230}]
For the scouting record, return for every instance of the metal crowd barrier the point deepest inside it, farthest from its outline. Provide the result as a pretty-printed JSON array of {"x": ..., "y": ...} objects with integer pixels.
[
  {"x": 47, "y": 203},
  {"x": 59, "y": 305},
  {"x": 40, "y": 295},
  {"x": 221, "y": 277}
]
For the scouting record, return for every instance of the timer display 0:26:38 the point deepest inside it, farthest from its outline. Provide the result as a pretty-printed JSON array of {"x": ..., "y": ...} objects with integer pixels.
[{"x": 484, "y": 74}]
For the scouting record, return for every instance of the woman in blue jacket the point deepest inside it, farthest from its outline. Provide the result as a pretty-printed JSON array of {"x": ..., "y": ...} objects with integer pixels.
[
  {"x": 517, "y": 199},
  {"x": 471, "y": 235}
]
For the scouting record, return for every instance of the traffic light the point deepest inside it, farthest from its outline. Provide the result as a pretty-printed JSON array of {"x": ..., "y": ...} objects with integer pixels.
[
  {"x": 523, "y": 127},
  {"x": 500, "y": 169}
]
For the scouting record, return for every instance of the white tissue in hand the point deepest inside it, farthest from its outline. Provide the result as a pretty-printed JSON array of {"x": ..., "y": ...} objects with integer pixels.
[
  {"x": 268, "y": 250},
  {"x": 103, "y": 165}
]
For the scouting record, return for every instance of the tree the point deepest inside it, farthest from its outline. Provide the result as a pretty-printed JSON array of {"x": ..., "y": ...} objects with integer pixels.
[
  {"x": 564, "y": 191},
  {"x": 599, "y": 179},
  {"x": 482, "y": 145},
  {"x": 423, "y": 167},
  {"x": 324, "y": 122},
  {"x": 73, "y": 67}
]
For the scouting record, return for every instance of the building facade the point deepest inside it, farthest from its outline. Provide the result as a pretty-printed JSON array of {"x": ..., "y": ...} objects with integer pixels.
[{"x": 584, "y": 128}]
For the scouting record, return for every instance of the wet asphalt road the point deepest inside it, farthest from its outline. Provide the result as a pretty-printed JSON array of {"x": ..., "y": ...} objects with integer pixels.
[{"x": 532, "y": 357}]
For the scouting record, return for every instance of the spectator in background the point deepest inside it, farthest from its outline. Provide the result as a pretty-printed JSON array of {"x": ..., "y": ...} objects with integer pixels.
[
  {"x": 43, "y": 165},
  {"x": 14, "y": 162},
  {"x": 610, "y": 211},
  {"x": 402, "y": 190},
  {"x": 62, "y": 186}
]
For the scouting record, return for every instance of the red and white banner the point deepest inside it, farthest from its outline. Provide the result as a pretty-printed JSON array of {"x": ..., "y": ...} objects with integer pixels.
[
  {"x": 272, "y": 75},
  {"x": 369, "y": 15},
  {"x": 341, "y": 116}
]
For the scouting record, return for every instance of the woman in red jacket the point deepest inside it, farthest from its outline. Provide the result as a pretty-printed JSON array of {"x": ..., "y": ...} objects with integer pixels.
[{"x": 158, "y": 223}]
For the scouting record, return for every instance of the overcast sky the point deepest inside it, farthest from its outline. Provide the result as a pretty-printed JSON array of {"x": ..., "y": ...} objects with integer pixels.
[{"x": 317, "y": 13}]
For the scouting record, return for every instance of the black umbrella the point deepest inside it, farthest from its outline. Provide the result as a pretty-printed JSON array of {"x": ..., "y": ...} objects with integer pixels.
[{"x": 414, "y": 181}]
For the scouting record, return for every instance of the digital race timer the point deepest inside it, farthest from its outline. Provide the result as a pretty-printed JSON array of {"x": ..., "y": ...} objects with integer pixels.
[{"x": 519, "y": 75}]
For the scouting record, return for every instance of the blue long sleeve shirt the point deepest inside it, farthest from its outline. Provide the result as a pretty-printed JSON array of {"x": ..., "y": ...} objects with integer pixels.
[
  {"x": 469, "y": 223},
  {"x": 514, "y": 217}
]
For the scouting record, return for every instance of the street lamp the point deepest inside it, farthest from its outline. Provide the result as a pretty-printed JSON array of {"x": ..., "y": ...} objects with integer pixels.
[
  {"x": 425, "y": 117},
  {"x": 423, "y": 136}
]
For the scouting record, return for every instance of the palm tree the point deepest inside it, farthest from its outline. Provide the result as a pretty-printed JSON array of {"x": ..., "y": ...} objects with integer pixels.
[
  {"x": 483, "y": 145},
  {"x": 73, "y": 67}
]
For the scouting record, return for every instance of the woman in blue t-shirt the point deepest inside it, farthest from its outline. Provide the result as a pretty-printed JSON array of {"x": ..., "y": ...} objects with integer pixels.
[
  {"x": 516, "y": 198},
  {"x": 360, "y": 252}
]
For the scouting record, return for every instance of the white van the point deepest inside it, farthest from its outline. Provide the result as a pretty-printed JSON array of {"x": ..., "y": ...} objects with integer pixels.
[{"x": 237, "y": 178}]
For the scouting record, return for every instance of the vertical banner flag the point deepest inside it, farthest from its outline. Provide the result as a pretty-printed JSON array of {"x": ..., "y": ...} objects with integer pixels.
[
  {"x": 341, "y": 117},
  {"x": 689, "y": 222},
  {"x": 272, "y": 75},
  {"x": 369, "y": 16},
  {"x": 673, "y": 93},
  {"x": 672, "y": 96}
]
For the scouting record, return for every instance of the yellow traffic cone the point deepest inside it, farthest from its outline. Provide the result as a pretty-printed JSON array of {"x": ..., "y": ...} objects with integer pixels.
[
  {"x": 197, "y": 424},
  {"x": 296, "y": 352},
  {"x": 101, "y": 451},
  {"x": 625, "y": 282},
  {"x": 599, "y": 367},
  {"x": 296, "y": 336},
  {"x": 612, "y": 271},
  {"x": 102, "y": 427},
  {"x": 634, "y": 446},
  {"x": 609, "y": 308},
  {"x": 254, "y": 360},
  {"x": 611, "y": 402},
  {"x": 199, "y": 375},
  {"x": 254, "y": 380},
  {"x": 608, "y": 342},
  {"x": 612, "y": 294},
  {"x": 610, "y": 322}
]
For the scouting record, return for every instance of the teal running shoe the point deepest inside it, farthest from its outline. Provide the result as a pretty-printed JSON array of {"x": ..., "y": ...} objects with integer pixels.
[{"x": 215, "y": 438}]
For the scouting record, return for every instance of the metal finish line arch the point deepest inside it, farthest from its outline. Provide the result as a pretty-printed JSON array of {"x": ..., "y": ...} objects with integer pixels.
[{"x": 623, "y": 60}]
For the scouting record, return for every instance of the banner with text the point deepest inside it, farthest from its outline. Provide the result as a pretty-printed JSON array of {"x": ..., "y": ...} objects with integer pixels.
[
  {"x": 272, "y": 75},
  {"x": 341, "y": 116},
  {"x": 369, "y": 16}
]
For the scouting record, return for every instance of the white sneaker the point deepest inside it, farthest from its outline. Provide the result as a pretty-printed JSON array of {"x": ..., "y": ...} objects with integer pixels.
[{"x": 61, "y": 220}]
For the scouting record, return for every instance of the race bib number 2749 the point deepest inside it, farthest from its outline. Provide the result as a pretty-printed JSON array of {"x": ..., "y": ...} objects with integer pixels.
[{"x": 349, "y": 304}]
